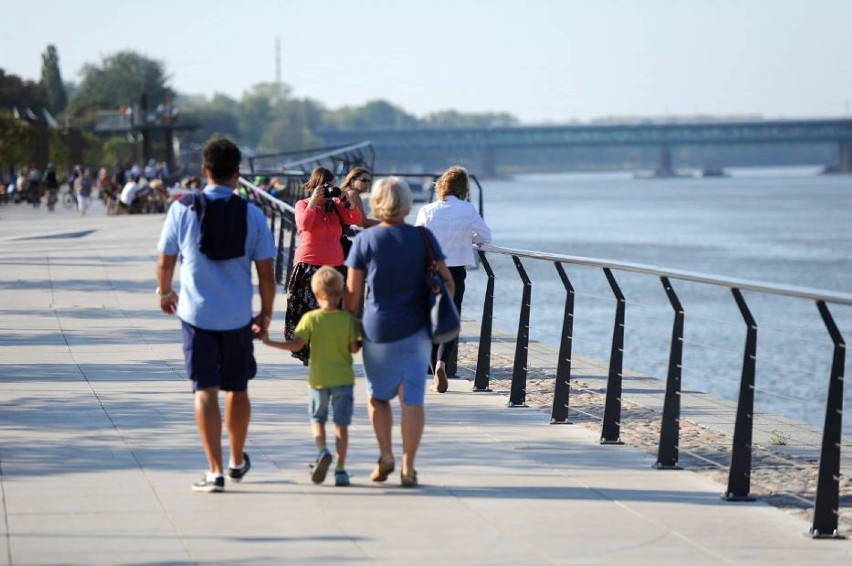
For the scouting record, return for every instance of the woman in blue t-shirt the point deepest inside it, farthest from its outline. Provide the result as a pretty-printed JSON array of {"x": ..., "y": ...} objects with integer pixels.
[{"x": 387, "y": 267}]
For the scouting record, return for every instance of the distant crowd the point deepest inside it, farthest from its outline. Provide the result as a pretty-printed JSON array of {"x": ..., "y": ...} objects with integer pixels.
[{"x": 130, "y": 189}]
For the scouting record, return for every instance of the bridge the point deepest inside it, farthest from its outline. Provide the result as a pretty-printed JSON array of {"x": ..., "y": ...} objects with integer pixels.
[{"x": 486, "y": 142}]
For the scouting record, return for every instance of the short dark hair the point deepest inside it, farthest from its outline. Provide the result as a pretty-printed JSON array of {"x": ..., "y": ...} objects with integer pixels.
[{"x": 221, "y": 158}]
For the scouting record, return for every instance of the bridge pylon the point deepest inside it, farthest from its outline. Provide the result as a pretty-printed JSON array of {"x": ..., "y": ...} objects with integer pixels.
[{"x": 844, "y": 156}]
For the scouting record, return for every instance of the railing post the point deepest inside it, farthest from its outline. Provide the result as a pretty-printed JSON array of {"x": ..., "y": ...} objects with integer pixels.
[
  {"x": 739, "y": 475},
  {"x": 562, "y": 391},
  {"x": 667, "y": 453},
  {"x": 279, "y": 257},
  {"x": 828, "y": 490},
  {"x": 483, "y": 360},
  {"x": 611, "y": 431},
  {"x": 292, "y": 251},
  {"x": 518, "y": 393}
]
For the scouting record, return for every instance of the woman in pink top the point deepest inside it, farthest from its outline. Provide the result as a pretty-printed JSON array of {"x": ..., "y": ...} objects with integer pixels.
[{"x": 318, "y": 224}]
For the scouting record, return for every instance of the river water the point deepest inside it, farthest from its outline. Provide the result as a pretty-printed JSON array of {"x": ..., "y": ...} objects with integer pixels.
[{"x": 787, "y": 226}]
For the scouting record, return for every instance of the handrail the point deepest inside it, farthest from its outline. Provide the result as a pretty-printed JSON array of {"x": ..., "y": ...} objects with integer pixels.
[
  {"x": 271, "y": 200},
  {"x": 697, "y": 277},
  {"x": 825, "y": 517},
  {"x": 827, "y": 501}
]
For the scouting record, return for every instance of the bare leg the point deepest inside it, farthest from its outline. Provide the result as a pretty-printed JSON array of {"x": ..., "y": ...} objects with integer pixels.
[
  {"x": 382, "y": 419},
  {"x": 341, "y": 434},
  {"x": 318, "y": 430},
  {"x": 413, "y": 422},
  {"x": 237, "y": 416},
  {"x": 209, "y": 423}
]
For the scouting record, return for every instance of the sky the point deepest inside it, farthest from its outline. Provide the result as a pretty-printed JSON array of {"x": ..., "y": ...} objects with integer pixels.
[{"x": 544, "y": 61}]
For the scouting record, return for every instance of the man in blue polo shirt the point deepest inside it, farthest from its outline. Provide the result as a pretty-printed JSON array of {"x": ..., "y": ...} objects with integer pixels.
[{"x": 217, "y": 237}]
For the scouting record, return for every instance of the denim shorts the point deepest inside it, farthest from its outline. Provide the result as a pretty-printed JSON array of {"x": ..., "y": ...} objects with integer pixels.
[
  {"x": 219, "y": 358},
  {"x": 389, "y": 365},
  {"x": 342, "y": 400}
]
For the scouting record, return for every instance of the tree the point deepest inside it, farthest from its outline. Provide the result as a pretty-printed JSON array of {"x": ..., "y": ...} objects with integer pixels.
[
  {"x": 51, "y": 82},
  {"x": 374, "y": 114},
  {"x": 15, "y": 141},
  {"x": 20, "y": 94},
  {"x": 258, "y": 108},
  {"x": 119, "y": 80},
  {"x": 217, "y": 116}
]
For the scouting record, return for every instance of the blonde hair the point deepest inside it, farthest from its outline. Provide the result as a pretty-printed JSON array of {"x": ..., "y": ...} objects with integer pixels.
[
  {"x": 390, "y": 198},
  {"x": 327, "y": 282},
  {"x": 453, "y": 182}
]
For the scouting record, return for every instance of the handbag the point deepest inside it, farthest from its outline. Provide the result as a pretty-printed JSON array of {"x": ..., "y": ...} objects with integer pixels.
[
  {"x": 444, "y": 321},
  {"x": 345, "y": 241}
]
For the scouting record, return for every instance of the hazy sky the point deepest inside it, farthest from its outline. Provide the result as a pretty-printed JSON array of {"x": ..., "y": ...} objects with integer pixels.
[{"x": 541, "y": 60}]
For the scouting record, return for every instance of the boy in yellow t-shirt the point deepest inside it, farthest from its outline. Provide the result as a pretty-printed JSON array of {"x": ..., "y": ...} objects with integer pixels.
[{"x": 333, "y": 336}]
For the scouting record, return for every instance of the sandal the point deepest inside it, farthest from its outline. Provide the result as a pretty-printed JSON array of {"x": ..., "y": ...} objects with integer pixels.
[
  {"x": 408, "y": 479},
  {"x": 383, "y": 469}
]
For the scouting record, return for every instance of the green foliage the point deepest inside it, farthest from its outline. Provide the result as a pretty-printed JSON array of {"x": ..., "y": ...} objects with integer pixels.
[
  {"x": 374, "y": 114},
  {"x": 120, "y": 80},
  {"x": 51, "y": 81},
  {"x": 18, "y": 93},
  {"x": 15, "y": 140},
  {"x": 455, "y": 119},
  {"x": 778, "y": 438},
  {"x": 115, "y": 151}
]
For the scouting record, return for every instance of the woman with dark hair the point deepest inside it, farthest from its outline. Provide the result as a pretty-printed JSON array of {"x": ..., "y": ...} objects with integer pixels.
[
  {"x": 457, "y": 226},
  {"x": 318, "y": 224}
]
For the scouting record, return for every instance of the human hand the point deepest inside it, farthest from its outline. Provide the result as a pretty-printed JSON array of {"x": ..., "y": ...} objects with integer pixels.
[
  {"x": 260, "y": 325},
  {"x": 317, "y": 197},
  {"x": 344, "y": 199},
  {"x": 168, "y": 303}
]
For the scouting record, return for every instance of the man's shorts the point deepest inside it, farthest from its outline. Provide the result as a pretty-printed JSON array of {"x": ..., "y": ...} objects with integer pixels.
[
  {"x": 342, "y": 400},
  {"x": 219, "y": 358}
]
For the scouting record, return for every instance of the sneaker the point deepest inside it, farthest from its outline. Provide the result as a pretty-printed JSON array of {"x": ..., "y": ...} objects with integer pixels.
[
  {"x": 237, "y": 474},
  {"x": 341, "y": 478},
  {"x": 440, "y": 382},
  {"x": 210, "y": 484},
  {"x": 321, "y": 466}
]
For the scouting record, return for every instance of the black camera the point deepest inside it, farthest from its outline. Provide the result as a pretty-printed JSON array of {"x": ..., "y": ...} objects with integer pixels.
[{"x": 330, "y": 191}]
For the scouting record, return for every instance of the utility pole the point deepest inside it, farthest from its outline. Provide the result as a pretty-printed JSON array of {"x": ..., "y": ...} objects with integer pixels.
[{"x": 278, "y": 64}]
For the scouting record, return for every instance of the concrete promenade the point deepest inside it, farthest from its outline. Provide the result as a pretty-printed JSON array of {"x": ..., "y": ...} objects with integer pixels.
[{"x": 98, "y": 449}]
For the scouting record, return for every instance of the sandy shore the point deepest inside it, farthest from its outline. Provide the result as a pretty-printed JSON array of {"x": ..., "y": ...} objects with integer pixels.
[{"x": 779, "y": 479}]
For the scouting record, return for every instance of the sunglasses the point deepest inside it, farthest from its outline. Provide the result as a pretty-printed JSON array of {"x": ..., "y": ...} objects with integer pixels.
[{"x": 364, "y": 179}]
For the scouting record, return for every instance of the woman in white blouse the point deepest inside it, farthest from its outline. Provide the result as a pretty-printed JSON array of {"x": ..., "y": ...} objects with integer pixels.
[{"x": 457, "y": 226}]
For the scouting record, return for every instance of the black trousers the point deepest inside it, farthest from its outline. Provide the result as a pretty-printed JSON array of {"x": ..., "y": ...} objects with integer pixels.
[{"x": 447, "y": 352}]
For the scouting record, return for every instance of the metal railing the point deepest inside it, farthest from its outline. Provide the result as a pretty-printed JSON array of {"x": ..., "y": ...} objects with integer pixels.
[
  {"x": 825, "y": 520},
  {"x": 826, "y": 505}
]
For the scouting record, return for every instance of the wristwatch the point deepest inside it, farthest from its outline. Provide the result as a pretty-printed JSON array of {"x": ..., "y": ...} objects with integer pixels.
[{"x": 161, "y": 294}]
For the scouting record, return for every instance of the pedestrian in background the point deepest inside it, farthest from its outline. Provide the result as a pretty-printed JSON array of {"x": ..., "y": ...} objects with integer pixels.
[
  {"x": 318, "y": 224},
  {"x": 217, "y": 248},
  {"x": 457, "y": 226}
]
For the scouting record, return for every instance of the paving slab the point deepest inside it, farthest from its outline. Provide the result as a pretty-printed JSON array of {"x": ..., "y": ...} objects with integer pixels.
[{"x": 98, "y": 449}]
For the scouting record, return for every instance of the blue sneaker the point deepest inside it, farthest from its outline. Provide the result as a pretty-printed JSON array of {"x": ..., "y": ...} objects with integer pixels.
[
  {"x": 341, "y": 478},
  {"x": 321, "y": 466}
]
